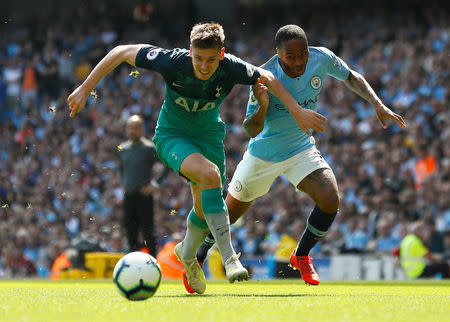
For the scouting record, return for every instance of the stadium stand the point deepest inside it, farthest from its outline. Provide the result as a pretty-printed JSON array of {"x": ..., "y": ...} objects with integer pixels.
[{"x": 59, "y": 176}]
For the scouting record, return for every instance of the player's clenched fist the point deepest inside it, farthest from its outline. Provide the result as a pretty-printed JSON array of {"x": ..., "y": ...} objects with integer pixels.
[{"x": 77, "y": 100}]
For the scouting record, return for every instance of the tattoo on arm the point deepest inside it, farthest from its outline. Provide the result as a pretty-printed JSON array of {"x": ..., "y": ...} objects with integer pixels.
[{"x": 358, "y": 84}]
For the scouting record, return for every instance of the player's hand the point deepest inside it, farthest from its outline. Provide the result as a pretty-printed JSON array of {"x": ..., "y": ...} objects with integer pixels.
[
  {"x": 77, "y": 100},
  {"x": 383, "y": 113},
  {"x": 309, "y": 119},
  {"x": 260, "y": 90}
]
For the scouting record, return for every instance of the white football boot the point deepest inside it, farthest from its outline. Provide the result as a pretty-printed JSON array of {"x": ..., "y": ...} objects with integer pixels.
[
  {"x": 194, "y": 273},
  {"x": 234, "y": 269}
]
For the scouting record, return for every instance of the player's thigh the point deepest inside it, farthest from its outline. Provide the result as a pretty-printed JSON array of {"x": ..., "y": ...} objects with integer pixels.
[
  {"x": 173, "y": 149},
  {"x": 302, "y": 165},
  {"x": 214, "y": 151},
  {"x": 253, "y": 178},
  {"x": 208, "y": 171},
  {"x": 309, "y": 172},
  {"x": 198, "y": 169},
  {"x": 190, "y": 157},
  {"x": 322, "y": 187}
]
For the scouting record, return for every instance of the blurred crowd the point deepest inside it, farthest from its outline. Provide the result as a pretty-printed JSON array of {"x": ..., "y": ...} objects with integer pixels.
[{"x": 59, "y": 177}]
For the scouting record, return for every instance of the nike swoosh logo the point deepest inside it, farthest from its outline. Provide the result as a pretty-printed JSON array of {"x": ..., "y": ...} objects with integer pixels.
[{"x": 176, "y": 85}]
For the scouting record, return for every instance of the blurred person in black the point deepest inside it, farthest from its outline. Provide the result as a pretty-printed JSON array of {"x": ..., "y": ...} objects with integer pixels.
[{"x": 137, "y": 156}]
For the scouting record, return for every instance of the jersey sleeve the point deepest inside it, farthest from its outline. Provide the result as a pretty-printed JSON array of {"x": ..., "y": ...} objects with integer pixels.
[
  {"x": 242, "y": 72},
  {"x": 154, "y": 58},
  {"x": 337, "y": 68},
  {"x": 252, "y": 104}
]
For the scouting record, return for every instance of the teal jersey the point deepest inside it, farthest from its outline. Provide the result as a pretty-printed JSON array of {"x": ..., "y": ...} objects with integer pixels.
[
  {"x": 191, "y": 106},
  {"x": 281, "y": 132}
]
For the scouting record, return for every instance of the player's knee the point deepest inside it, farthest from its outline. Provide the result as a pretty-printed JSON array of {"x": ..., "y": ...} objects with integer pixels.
[
  {"x": 329, "y": 201},
  {"x": 210, "y": 177}
]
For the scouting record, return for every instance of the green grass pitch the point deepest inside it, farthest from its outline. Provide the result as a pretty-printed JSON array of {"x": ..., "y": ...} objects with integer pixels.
[{"x": 287, "y": 300}]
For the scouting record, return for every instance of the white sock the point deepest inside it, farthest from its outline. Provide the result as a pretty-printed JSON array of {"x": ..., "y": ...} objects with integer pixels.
[
  {"x": 219, "y": 224},
  {"x": 195, "y": 236}
]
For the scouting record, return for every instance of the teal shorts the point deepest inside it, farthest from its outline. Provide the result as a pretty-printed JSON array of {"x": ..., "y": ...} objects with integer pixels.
[{"x": 173, "y": 148}]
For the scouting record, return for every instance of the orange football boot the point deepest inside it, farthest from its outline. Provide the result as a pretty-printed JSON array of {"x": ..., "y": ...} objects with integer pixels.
[{"x": 305, "y": 266}]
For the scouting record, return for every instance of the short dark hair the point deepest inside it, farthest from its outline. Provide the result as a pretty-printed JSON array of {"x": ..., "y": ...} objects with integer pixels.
[
  {"x": 289, "y": 32},
  {"x": 207, "y": 35}
]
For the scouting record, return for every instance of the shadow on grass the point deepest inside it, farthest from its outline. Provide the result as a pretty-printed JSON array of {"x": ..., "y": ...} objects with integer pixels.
[{"x": 246, "y": 295}]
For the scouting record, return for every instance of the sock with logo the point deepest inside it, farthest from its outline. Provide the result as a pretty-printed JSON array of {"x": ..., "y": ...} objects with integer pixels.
[
  {"x": 216, "y": 215},
  {"x": 316, "y": 228}
]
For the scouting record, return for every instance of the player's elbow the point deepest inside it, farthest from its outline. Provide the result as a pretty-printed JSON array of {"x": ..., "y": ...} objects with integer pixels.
[{"x": 123, "y": 53}]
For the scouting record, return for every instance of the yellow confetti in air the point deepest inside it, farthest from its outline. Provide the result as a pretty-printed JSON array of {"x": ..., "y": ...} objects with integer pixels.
[
  {"x": 134, "y": 73},
  {"x": 173, "y": 212},
  {"x": 114, "y": 226},
  {"x": 63, "y": 194},
  {"x": 52, "y": 109},
  {"x": 256, "y": 221},
  {"x": 119, "y": 147},
  {"x": 5, "y": 206},
  {"x": 29, "y": 205},
  {"x": 94, "y": 94}
]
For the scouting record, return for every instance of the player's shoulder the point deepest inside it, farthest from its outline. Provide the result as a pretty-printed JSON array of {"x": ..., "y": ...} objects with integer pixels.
[
  {"x": 230, "y": 60},
  {"x": 271, "y": 65},
  {"x": 320, "y": 53},
  {"x": 152, "y": 52},
  {"x": 233, "y": 65},
  {"x": 179, "y": 53}
]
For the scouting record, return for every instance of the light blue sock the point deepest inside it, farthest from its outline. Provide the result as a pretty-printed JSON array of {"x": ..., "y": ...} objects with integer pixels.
[{"x": 216, "y": 215}]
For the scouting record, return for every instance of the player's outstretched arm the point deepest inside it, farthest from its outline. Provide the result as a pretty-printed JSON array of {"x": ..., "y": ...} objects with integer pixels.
[
  {"x": 254, "y": 123},
  {"x": 306, "y": 119},
  {"x": 115, "y": 57},
  {"x": 358, "y": 84}
]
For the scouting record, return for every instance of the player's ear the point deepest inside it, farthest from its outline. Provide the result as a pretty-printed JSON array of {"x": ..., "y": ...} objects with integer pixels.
[
  {"x": 278, "y": 51},
  {"x": 190, "y": 50},
  {"x": 222, "y": 53}
]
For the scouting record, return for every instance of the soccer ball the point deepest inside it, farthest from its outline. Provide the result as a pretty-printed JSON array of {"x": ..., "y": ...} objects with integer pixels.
[{"x": 137, "y": 276}]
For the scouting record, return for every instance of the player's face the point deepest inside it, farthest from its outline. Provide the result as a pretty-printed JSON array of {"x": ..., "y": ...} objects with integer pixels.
[
  {"x": 293, "y": 55},
  {"x": 206, "y": 61}
]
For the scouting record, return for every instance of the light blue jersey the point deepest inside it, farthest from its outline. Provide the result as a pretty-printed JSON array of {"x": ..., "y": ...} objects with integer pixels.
[{"x": 281, "y": 137}]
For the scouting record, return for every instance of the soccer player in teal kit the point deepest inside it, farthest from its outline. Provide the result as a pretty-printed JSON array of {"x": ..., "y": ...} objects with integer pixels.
[
  {"x": 189, "y": 134},
  {"x": 278, "y": 146}
]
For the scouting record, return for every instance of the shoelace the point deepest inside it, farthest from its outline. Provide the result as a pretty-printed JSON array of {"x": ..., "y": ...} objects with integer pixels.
[
  {"x": 233, "y": 258},
  {"x": 306, "y": 267}
]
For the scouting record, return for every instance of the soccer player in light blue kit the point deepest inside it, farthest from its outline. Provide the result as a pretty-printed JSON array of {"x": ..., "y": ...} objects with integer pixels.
[{"x": 278, "y": 146}]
